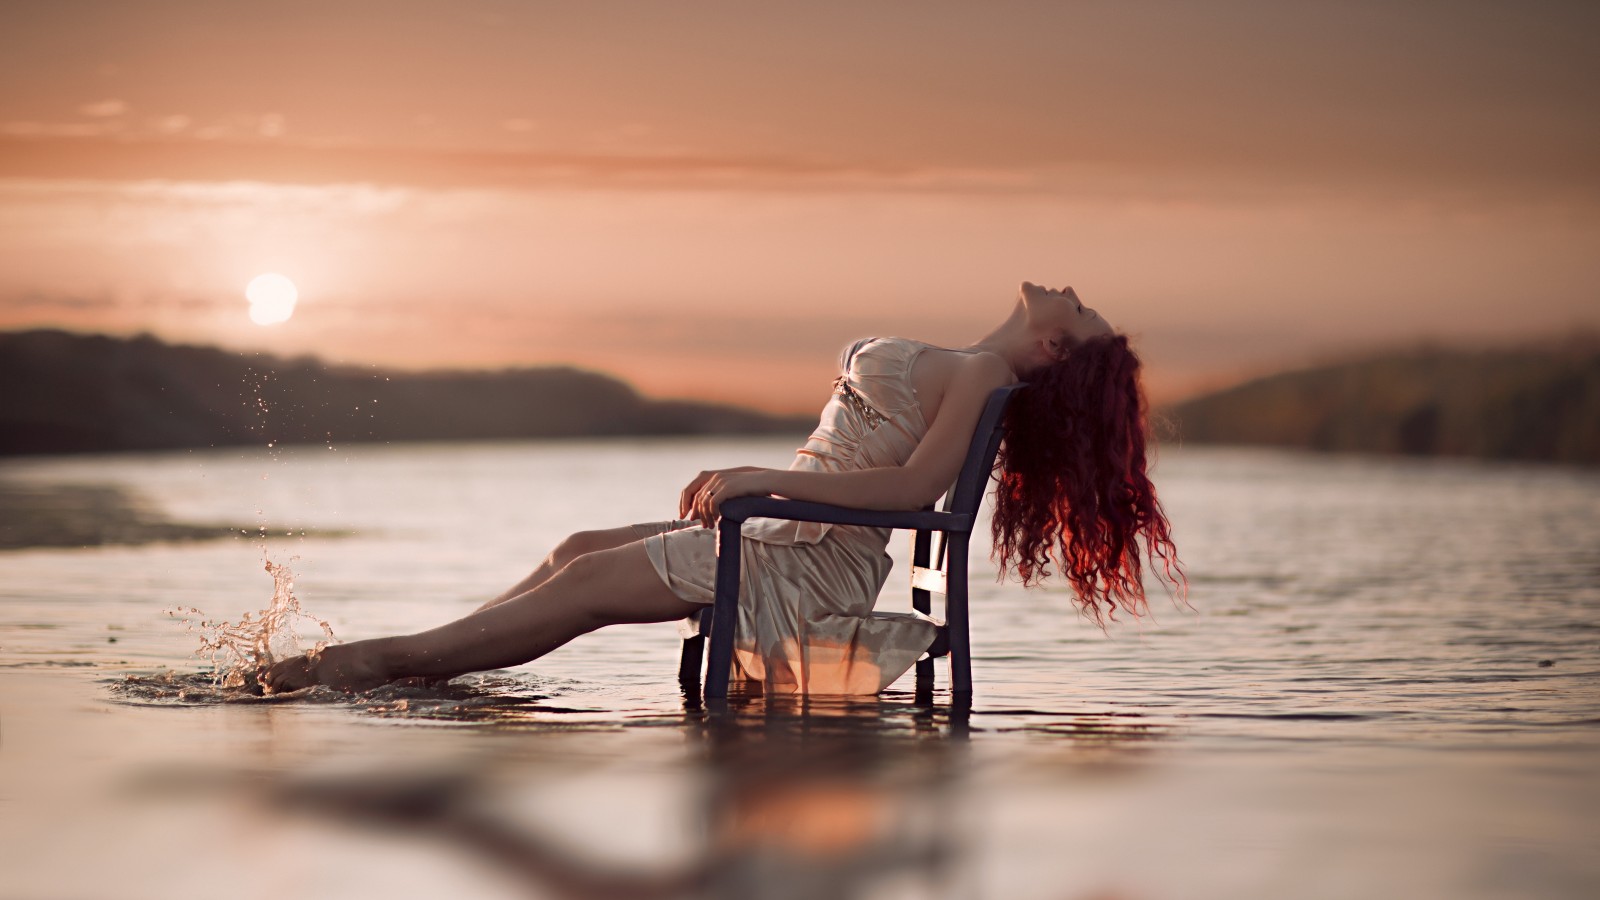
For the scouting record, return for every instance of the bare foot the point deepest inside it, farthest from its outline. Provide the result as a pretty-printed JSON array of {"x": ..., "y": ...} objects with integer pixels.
[{"x": 343, "y": 667}]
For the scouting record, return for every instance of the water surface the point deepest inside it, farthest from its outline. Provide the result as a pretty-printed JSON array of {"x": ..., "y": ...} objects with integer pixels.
[{"x": 1388, "y": 684}]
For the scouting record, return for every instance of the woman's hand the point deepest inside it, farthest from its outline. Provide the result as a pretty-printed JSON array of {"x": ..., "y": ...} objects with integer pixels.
[{"x": 703, "y": 497}]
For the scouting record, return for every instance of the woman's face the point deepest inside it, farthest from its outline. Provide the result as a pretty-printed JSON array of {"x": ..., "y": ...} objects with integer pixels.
[{"x": 1061, "y": 317}]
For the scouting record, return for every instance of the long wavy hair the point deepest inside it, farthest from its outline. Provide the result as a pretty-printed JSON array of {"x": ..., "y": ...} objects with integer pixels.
[{"x": 1072, "y": 485}]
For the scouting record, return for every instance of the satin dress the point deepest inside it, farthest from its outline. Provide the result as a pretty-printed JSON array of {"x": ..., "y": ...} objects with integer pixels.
[{"x": 806, "y": 624}]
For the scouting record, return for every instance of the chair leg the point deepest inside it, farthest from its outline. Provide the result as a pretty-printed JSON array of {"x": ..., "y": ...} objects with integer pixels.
[
  {"x": 724, "y": 610},
  {"x": 922, "y": 603},
  {"x": 956, "y": 615},
  {"x": 693, "y": 654}
]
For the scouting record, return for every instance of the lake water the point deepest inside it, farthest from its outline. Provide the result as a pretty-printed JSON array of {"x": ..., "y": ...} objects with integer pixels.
[{"x": 1388, "y": 686}]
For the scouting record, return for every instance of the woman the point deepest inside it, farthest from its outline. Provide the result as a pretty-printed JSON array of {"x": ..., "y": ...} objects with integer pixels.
[{"x": 1073, "y": 490}]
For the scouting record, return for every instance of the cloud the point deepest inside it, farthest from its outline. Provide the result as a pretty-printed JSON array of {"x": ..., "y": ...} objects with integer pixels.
[
  {"x": 36, "y": 150},
  {"x": 257, "y": 148},
  {"x": 101, "y": 109},
  {"x": 126, "y": 299},
  {"x": 53, "y": 129},
  {"x": 172, "y": 124},
  {"x": 38, "y": 301}
]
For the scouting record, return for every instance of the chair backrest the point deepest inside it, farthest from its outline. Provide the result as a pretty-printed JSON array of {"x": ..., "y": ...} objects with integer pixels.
[{"x": 966, "y": 495}]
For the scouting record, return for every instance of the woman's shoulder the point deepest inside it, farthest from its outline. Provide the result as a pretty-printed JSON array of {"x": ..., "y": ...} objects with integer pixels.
[
  {"x": 980, "y": 371},
  {"x": 988, "y": 365}
]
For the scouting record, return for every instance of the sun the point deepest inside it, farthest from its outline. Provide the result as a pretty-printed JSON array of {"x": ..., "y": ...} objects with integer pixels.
[{"x": 272, "y": 298}]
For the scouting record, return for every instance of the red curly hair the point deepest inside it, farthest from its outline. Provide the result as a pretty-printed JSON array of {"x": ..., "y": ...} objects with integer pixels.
[{"x": 1072, "y": 485}]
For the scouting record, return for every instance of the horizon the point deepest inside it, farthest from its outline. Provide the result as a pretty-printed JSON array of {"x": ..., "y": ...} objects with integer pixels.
[
  {"x": 710, "y": 204},
  {"x": 1577, "y": 340}
]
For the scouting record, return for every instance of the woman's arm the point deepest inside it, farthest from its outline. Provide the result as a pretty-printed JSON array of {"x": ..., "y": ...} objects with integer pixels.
[{"x": 925, "y": 476}]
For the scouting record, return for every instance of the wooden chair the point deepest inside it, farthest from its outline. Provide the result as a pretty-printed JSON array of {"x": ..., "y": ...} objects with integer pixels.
[{"x": 947, "y": 575}]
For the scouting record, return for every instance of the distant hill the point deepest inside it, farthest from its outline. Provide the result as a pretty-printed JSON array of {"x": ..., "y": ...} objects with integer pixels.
[
  {"x": 1522, "y": 403},
  {"x": 66, "y": 393}
]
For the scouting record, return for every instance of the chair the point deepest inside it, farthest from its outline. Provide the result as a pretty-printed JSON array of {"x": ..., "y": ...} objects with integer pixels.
[{"x": 947, "y": 575}]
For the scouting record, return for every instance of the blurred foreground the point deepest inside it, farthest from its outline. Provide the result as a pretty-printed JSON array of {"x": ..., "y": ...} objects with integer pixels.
[{"x": 875, "y": 799}]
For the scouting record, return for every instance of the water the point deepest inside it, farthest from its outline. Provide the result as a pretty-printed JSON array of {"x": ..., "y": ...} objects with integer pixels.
[
  {"x": 1388, "y": 685},
  {"x": 240, "y": 651}
]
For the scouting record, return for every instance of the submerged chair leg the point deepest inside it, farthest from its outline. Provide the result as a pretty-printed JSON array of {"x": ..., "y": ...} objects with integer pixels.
[
  {"x": 955, "y": 602},
  {"x": 922, "y": 602},
  {"x": 724, "y": 610},
  {"x": 693, "y": 653}
]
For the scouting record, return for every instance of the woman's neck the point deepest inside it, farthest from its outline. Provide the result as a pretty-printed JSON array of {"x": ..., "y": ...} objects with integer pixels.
[{"x": 1011, "y": 341}]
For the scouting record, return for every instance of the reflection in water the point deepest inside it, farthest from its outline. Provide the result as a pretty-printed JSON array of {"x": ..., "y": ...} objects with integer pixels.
[
  {"x": 793, "y": 804},
  {"x": 504, "y": 701},
  {"x": 792, "y": 796}
]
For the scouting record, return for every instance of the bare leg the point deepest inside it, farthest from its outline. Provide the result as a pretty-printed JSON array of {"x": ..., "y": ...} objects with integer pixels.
[
  {"x": 610, "y": 587},
  {"x": 571, "y": 547}
]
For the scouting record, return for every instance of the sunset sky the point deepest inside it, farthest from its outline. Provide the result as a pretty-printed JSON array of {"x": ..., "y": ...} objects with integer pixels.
[{"x": 710, "y": 199}]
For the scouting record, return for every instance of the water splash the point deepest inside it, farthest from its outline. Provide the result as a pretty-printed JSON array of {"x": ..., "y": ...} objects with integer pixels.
[{"x": 239, "y": 650}]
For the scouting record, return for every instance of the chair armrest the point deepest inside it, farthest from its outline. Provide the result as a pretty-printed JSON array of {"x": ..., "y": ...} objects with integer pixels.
[{"x": 741, "y": 508}]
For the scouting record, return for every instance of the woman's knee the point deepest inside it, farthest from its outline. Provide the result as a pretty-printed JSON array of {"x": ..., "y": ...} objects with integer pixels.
[
  {"x": 620, "y": 585},
  {"x": 579, "y": 543}
]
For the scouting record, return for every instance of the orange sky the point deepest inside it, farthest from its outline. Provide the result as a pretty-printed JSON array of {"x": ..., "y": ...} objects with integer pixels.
[{"x": 710, "y": 199}]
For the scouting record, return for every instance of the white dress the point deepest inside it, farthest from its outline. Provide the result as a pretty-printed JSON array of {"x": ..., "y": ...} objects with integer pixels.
[{"x": 806, "y": 624}]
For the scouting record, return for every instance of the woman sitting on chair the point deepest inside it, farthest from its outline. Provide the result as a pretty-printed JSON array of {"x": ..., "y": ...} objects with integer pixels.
[{"x": 1073, "y": 492}]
